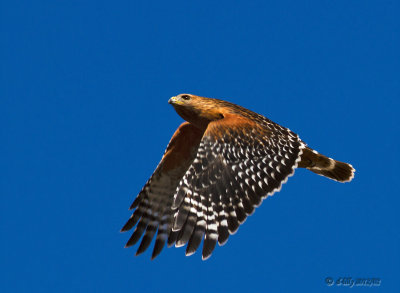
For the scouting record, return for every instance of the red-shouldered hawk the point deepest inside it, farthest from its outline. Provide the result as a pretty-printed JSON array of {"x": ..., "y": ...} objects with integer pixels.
[{"x": 217, "y": 168}]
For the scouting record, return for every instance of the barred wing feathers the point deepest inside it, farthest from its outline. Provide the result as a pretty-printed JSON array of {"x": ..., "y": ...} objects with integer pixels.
[
  {"x": 153, "y": 213},
  {"x": 239, "y": 162}
]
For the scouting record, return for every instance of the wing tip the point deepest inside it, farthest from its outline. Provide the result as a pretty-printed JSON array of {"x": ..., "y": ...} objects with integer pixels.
[{"x": 205, "y": 257}]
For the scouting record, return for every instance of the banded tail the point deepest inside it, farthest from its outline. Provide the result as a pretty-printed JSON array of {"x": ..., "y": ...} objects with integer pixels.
[{"x": 325, "y": 166}]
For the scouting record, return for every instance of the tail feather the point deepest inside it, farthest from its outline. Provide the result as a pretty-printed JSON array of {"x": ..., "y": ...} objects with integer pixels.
[{"x": 324, "y": 166}]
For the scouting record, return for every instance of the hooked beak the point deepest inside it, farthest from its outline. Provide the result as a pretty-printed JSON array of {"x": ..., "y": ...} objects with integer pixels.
[{"x": 175, "y": 100}]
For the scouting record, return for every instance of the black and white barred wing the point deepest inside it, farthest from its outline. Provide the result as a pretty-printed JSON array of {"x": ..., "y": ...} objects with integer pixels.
[
  {"x": 152, "y": 207},
  {"x": 238, "y": 164}
]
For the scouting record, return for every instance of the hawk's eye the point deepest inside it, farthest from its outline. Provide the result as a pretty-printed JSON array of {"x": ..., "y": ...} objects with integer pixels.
[{"x": 185, "y": 97}]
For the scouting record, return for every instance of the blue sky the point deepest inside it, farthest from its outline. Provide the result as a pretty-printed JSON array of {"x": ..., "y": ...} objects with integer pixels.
[{"x": 84, "y": 120}]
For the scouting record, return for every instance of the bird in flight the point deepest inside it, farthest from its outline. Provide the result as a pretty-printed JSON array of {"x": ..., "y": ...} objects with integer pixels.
[{"x": 218, "y": 167}]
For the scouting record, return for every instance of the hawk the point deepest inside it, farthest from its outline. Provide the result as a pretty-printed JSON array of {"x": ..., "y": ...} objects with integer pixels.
[{"x": 218, "y": 167}]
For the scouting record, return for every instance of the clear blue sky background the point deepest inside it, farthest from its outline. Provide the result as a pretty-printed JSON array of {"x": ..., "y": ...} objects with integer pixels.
[{"x": 84, "y": 121}]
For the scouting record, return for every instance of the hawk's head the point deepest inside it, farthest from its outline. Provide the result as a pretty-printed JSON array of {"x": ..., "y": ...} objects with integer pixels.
[{"x": 197, "y": 110}]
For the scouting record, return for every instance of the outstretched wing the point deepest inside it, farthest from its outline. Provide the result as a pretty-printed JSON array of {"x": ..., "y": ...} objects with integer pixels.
[
  {"x": 153, "y": 213},
  {"x": 238, "y": 163}
]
